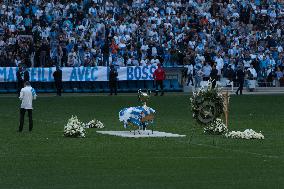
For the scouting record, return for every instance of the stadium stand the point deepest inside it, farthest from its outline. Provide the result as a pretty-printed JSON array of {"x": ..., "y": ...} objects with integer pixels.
[{"x": 70, "y": 33}]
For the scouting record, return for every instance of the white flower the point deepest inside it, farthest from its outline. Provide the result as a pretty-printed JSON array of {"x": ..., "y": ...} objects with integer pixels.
[
  {"x": 247, "y": 134},
  {"x": 74, "y": 128},
  {"x": 216, "y": 127},
  {"x": 94, "y": 124}
]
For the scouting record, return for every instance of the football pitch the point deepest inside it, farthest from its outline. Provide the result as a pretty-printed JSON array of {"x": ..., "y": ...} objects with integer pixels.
[{"x": 44, "y": 159}]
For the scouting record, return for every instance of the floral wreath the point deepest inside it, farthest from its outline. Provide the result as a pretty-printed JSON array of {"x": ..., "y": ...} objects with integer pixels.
[{"x": 207, "y": 104}]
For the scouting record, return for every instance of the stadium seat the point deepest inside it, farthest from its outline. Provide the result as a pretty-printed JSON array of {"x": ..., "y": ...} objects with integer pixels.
[
  {"x": 132, "y": 86},
  {"x": 49, "y": 87},
  {"x": 11, "y": 87},
  {"x": 38, "y": 86},
  {"x": 105, "y": 86},
  {"x": 67, "y": 88},
  {"x": 86, "y": 86},
  {"x": 175, "y": 85},
  {"x": 76, "y": 87},
  {"x": 95, "y": 87},
  {"x": 167, "y": 85},
  {"x": 3, "y": 88},
  {"x": 122, "y": 86},
  {"x": 141, "y": 84},
  {"x": 150, "y": 85}
]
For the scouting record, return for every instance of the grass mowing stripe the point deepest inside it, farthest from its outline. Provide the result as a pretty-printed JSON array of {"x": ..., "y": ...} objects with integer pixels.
[{"x": 30, "y": 160}]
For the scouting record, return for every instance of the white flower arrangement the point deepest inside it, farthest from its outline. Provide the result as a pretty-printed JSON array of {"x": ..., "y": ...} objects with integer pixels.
[
  {"x": 74, "y": 128},
  {"x": 247, "y": 134},
  {"x": 217, "y": 127},
  {"x": 94, "y": 124}
]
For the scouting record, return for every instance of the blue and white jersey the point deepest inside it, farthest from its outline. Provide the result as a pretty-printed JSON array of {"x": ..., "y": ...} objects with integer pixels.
[
  {"x": 27, "y": 96},
  {"x": 134, "y": 115}
]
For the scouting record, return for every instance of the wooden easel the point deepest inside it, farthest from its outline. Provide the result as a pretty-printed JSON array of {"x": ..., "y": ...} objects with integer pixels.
[{"x": 226, "y": 107}]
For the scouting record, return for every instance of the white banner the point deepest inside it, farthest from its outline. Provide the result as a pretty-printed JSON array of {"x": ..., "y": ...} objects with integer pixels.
[{"x": 8, "y": 74}]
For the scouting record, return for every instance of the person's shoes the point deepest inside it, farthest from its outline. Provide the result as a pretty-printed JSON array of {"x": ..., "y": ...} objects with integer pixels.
[
  {"x": 156, "y": 94},
  {"x": 162, "y": 94},
  {"x": 237, "y": 93},
  {"x": 110, "y": 95}
]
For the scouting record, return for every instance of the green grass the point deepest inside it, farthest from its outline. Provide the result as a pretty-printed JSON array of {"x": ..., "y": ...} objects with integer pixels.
[{"x": 45, "y": 159}]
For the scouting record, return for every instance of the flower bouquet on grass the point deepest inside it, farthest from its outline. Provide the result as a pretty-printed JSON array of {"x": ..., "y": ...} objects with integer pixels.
[
  {"x": 247, "y": 134},
  {"x": 74, "y": 128},
  {"x": 94, "y": 124},
  {"x": 216, "y": 127}
]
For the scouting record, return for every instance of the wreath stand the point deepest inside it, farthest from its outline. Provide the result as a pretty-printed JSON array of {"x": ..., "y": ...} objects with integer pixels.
[{"x": 207, "y": 110}]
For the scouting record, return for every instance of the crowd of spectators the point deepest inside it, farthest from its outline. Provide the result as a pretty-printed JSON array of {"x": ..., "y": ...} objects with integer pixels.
[{"x": 227, "y": 33}]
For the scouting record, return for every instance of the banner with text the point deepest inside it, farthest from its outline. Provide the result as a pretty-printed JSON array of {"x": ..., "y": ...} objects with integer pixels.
[{"x": 8, "y": 74}]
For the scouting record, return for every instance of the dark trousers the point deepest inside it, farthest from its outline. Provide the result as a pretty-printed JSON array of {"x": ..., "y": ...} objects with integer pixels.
[
  {"x": 161, "y": 84},
  {"x": 20, "y": 86},
  {"x": 58, "y": 86},
  {"x": 190, "y": 79},
  {"x": 113, "y": 87},
  {"x": 22, "y": 119},
  {"x": 43, "y": 58},
  {"x": 241, "y": 83},
  {"x": 214, "y": 83},
  {"x": 106, "y": 60}
]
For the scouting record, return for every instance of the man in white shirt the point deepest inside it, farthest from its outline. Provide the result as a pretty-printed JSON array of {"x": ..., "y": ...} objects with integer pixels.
[
  {"x": 27, "y": 95},
  {"x": 220, "y": 64},
  {"x": 189, "y": 73},
  {"x": 252, "y": 71}
]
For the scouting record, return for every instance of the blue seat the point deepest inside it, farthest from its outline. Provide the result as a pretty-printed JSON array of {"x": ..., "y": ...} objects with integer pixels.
[
  {"x": 167, "y": 85},
  {"x": 105, "y": 86},
  {"x": 67, "y": 88},
  {"x": 3, "y": 88},
  {"x": 11, "y": 87},
  {"x": 76, "y": 87},
  {"x": 175, "y": 85},
  {"x": 150, "y": 85},
  {"x": 122, "y": 86},
  {"x": 86, "y": 87},
  {"x": 49, "y": 87},
  {"x": 141, "y": 84},
  {"x": 95, "y": 87},
  {"x": 102, "y": 87},
  {"x": 39, "y": 87},
  {"x": 132, "y": 86}
]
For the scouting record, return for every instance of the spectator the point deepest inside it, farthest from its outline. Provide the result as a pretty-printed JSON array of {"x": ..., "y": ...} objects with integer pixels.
[
  {"x": 240, "y": 79},
  {"x": 189, "y": 73},
  {"x": 57, "y": 75},
  {"x": 198, "y": 74},
  {"x": 22, "y": 77},
  {"x": 100, "y": 31},
  {"x": 206, "y": 71},
  {"x": 214, "y": 76},
  {"x": 279, "y": 76},
  {"x": 253, "y": 73},
  {"x": 113, "y": 80},
  {"x": 159, "y": 76}
]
